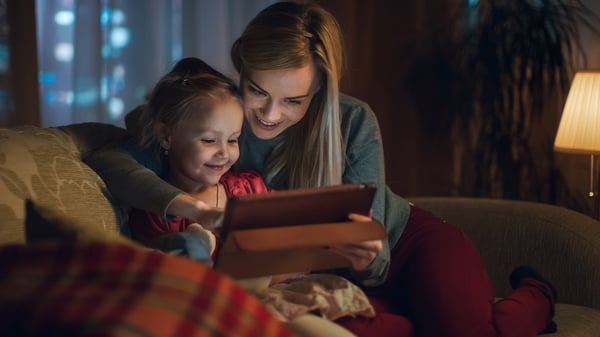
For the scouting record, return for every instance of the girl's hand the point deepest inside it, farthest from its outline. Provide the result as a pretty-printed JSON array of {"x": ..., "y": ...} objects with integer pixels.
[
  {"x": 189, "y": 207},
  {"x": 210, "y": 218},
  {"x": 360, "y": 254}
]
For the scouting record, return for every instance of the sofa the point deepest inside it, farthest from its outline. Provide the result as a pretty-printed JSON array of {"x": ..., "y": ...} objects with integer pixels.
[
  {"x": 68, "y": 267},
  {"x": 61, "y": 224},
  {"x": 562, "y": 244}
]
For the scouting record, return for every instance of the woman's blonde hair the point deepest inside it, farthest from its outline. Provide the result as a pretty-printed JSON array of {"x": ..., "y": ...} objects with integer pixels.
[
  {"x": 190, "y": 81},
  {"x": 289, "y": 35}
]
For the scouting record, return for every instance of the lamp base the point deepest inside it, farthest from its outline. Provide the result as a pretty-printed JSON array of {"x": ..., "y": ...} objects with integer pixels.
[{"x": 594, "y": 186}]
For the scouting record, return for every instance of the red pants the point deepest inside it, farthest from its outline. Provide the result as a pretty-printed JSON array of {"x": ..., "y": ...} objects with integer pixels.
[{"x": 437, "y": 285}]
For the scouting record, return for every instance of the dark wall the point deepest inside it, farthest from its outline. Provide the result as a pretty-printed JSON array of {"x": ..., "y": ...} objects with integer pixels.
[
  {"x": 388, "y": 46},
  {"x": 21, "y": 78},
  {"x": 393, "y": 52}
]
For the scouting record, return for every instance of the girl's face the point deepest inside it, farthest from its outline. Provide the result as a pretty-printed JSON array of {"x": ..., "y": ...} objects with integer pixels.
[
  {"x": 274, "y": 100},
  {"x": 205, "y": 146}
]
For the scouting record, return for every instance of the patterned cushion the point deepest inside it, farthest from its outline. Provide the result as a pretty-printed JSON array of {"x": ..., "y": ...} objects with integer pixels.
[
  {"x": 46, "y": 224},
  {"x": 45, "y": 165}
]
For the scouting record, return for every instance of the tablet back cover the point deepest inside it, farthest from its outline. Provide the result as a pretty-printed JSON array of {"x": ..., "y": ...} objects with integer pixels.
[{"x": 288, "y": 231}]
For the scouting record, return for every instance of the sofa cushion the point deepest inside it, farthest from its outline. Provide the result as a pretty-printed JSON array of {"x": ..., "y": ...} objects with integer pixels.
[
  {"x": 45, "y": 165},
  {"x": 562, "y": 244},
  {"x": 576, "y": 321}
]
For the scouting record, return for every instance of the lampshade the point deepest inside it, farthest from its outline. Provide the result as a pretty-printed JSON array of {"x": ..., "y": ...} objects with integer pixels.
[{"x": 579, "y": 128}]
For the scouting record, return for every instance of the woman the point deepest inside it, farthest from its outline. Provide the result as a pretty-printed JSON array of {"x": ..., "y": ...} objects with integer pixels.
[{"x": 300, "y": 131}]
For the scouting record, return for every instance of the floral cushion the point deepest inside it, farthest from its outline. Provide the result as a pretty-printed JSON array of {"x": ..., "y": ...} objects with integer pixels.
[
  {"x": 45, "y": 165},
  {"x": 326, "y": 295}
]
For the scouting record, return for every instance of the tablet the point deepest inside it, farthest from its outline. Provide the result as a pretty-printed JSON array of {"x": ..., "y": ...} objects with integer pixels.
[{"x": 289, "y": 231}]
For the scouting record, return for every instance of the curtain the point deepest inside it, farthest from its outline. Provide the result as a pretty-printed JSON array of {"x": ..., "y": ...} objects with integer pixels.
[
  {"x": 5, "y": 90},
  {"x": 99, "y": 58}
]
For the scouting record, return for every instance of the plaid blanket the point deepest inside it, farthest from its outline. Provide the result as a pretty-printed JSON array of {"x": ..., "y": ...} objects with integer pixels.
[{"x": 107, "y": 289}]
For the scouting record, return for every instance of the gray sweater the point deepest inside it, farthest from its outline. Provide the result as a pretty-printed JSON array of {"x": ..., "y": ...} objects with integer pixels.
[{"x": 125, "y": 171}]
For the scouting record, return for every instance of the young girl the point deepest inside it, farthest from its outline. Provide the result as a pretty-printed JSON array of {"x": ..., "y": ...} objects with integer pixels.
[{"x": 192, "y": 121}]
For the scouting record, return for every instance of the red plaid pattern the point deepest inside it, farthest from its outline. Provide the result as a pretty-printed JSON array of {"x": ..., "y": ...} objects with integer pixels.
[{"x": 106, "y": 289}]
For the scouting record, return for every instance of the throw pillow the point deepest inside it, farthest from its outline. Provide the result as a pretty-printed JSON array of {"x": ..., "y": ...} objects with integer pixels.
[
  {"x": 45, "y": 165},
  {"x": 43, "y": 223},
  {"x": 85, "y": 289}
]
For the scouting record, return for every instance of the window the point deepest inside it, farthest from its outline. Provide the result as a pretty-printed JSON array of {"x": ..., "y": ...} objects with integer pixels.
[
  {"x": 5, "y": 103},
  {"x": 99, "y": 58}
]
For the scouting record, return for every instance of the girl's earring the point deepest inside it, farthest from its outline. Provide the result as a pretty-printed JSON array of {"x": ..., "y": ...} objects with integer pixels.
[{"x": 165, "y": 146}]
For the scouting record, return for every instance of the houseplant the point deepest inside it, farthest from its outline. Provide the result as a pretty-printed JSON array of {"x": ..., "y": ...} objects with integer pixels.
[{"x": 511, "y": 71}]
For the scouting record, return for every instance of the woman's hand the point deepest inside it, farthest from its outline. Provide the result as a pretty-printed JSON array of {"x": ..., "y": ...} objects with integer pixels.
[
  {"x": 360, "y": 254},
  {"x": 189, "y": 207}
]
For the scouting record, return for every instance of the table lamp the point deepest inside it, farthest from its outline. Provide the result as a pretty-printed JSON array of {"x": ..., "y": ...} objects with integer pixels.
[{"x": 579, "y": 128}]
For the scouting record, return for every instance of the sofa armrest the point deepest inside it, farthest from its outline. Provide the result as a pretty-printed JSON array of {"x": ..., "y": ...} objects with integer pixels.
[{"x": 562, "y": 244}]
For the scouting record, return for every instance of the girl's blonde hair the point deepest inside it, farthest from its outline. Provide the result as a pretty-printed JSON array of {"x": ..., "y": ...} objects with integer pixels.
[
  {"x": 289, "y": 35},
  {"x": 190, "y": 81}
]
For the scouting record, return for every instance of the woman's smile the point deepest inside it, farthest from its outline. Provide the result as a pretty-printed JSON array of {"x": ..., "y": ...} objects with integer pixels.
[{"x": 266, "y": 124}]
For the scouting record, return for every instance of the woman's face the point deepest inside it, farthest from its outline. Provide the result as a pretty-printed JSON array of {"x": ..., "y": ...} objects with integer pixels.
[
  {"x": 274, "y": 100},
  {"x": 205, "y": 146}
]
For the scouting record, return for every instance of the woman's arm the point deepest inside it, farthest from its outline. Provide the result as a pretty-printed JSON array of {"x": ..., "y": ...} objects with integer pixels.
[
  {"x": 365, "y": 163},
  {"x": 136, "y": 185},
  {"x": 191, "y": 208},
  {"x": 132, "y": 182}
]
